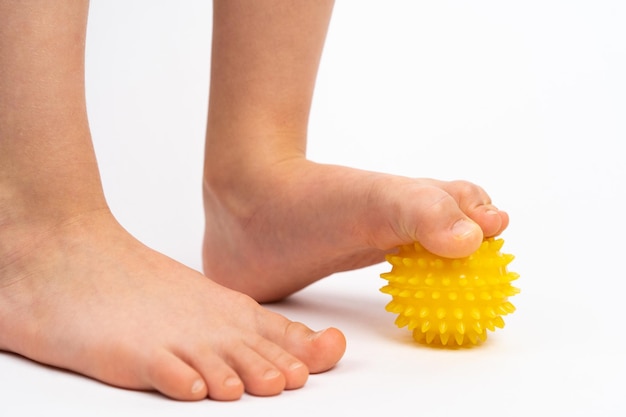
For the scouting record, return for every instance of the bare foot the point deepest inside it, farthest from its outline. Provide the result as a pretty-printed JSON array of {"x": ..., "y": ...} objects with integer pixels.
[
  {"x": 272, "y": 230},
  {"x": 76, "y": 290},
  {"x": 86, "y": 296}
]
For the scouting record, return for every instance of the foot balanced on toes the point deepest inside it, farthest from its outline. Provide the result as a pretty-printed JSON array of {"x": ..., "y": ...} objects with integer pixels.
[
  {"x": 276, "y": 222},
  {"x": 274, "y": 231}
]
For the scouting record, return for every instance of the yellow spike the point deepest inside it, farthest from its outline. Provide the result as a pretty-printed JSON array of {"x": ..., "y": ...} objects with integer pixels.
[
  {"x": 475, "y": 313},
  {"x": 430, "y": 336},
  {"x": 405, "y": 294},
  {"x": 496, "y": 244},
  {"x": 460, "y": 328},
  {"x": 395, "y": 307},
  {"x": 512, "y": 276},
  {"x": 441, "y": 313},
  {"x": 507, "y": 258},
  {"x": 387, "y": 289},
  {"x": 418, "y": 336},
  {"x": 453, "y": 296},
  {"x": 511, "y": 291},
  {"x": 443, "y": 327},
  {"x": 508, "y": 307},
  {"x": 459, "y": 338},
  {"x": 444, "y": 338},
  {"x": 435, "y": 295},
  {"x": 401, "y": 321},
  {"x": 458, "y": 313},
  {"x": 424, "y": 312},
  {"x": 477, "y": 327},
  {"x": 485, "y": 296},
  {"x": 412, "y": 324},
  {"x": 489, "y": 325},
  {"x": 394, "y": 291},
  {"x": 498, "y": 322},
  {"x": 399, "y": 308},
  {"x": 408, "y": 262},
  {"x": 470, "y": 296},
  {"x": 425, "y": 326},
  {"x": 419, "y": 294},
  {"x": 483, "y": 336},
  {"x": 472, "y": 337},
  {"x": 409, "y": 311}
]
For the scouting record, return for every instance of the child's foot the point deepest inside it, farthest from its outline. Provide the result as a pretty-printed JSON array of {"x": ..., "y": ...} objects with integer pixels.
[
  {"x": 85, "y": 296},
  {"x": 271, "y": 231}
]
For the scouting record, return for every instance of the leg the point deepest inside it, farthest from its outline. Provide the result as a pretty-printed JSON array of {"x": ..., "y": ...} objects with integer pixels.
[
  {"x": 76, "y": 290},
  {"x": 276, "y": 222}
]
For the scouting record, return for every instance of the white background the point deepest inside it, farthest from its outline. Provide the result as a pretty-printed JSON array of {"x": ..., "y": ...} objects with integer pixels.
[{"x": 525, "y": 98}]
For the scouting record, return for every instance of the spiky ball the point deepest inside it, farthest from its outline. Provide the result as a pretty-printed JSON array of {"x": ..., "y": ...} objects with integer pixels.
[{"x": 450, "y": 302}]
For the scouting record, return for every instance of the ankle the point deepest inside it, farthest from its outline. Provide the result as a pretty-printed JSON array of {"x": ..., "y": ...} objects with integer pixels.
[
  {"x": 246, "y": 181},
  {"x": 25, "y": 220}
]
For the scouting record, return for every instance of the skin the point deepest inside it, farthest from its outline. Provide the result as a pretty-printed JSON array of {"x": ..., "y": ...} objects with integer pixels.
[
  {"x": 77, "y": 291},
  {"x": 287, "y": 221}
]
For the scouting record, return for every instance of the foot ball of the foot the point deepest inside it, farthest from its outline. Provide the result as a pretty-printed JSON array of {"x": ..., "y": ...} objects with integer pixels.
[{"x": 450, "y": 302}]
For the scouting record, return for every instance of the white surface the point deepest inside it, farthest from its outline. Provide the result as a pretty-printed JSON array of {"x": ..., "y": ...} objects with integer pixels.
[{"x": 526, "y": 99}]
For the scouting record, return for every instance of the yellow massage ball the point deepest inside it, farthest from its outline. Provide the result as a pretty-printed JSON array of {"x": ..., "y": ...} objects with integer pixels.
[{"x": 450, "y": 302}]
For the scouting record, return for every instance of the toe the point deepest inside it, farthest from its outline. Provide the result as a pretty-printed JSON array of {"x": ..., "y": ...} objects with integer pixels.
[
  {"x": 294, "y": 371},
  {"x": 222, "y": 381},
  {"x": 435, "y": 219},
  {"x": 174, "y": 378},
  {"x": 260, "y": 376},
  {"x": 319, "y": 351},
  {"x": 474, "y": 201},
  {"x": 490, "y": 219}
]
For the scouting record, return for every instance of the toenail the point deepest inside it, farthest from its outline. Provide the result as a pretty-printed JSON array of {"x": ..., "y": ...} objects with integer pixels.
[
  {"x": 491, "y": 212},
  {"x": 463, "y": 228},
  {"x": 316, "y": 335},
  {"x": 271, "y": 374},
  {"x": 197, "y": 386},
  {"x": 232, "y": 381},
  {"x": 295, "y": 365}
]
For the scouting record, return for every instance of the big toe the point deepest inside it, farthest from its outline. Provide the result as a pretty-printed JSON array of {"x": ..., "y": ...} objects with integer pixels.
[
  {"x": 319, "y": 351},
  {"x": 433, "y": 218}
]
